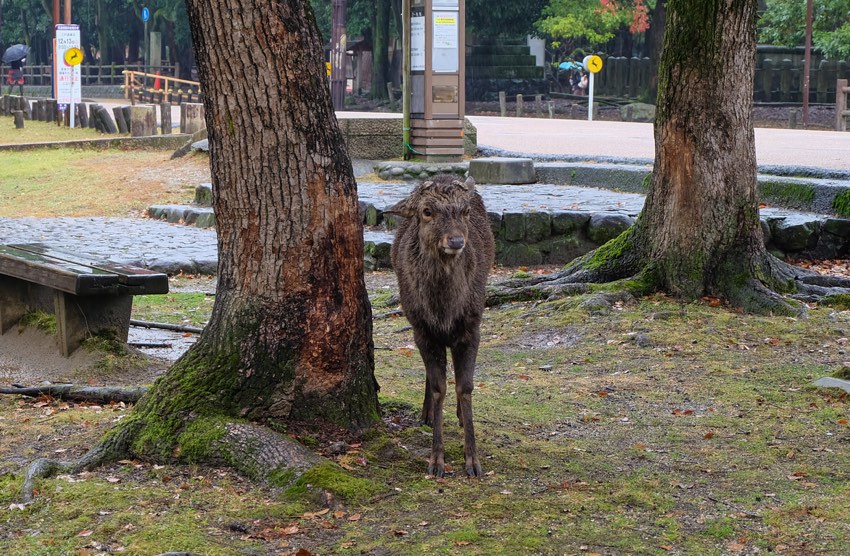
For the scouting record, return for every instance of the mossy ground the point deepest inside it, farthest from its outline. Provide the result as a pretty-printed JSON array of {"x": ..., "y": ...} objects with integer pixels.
[{"x": 657, "y": 428}]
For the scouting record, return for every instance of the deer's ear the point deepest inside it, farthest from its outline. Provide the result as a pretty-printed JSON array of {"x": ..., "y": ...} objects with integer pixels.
[
  {"x": 403, "y": 208},
  {"x": 469, "y": 184}
]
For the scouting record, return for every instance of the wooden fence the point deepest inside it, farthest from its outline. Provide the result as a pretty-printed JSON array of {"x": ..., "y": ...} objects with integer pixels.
[
  {"x": 841, "y": 112},
  {"x": 91, "y": 74},
  {"x": 159, "y": 89},
  {"x": 775, "y": 80}
]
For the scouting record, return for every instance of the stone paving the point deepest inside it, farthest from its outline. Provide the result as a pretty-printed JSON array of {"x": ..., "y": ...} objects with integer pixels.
[{"x": 175, "y": 248}]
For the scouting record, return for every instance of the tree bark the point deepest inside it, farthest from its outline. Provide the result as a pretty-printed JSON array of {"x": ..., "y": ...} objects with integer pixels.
[
  {"x": 699, "y": 231},
  {"x": 290, "y": 336},
  {"x": 380, "y": 42}
]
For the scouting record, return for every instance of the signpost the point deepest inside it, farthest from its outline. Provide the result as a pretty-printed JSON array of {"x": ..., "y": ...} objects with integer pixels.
[
  {"x": 592, "y": 64},
  {"x": 68, "y": 57},
  {"x": 434, "y": 81},
  {"x": 146, "y": 15}
]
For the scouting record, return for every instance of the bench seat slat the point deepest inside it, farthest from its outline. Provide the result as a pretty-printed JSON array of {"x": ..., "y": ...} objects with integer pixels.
[
  {"x": 61, "y": 275},
  {"x": 138, "y": 281}
]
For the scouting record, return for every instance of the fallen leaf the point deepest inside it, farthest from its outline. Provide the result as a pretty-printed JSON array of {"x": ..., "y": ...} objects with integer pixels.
[
  {"x": 85, "y": 533},
  {"x": 291, "y": 530},
  {"x": 355, "y": 517},
  {"x": 708, "y": 435},
  {"x": 462, "y": 543},
  {"x": 399, "y": 532}
]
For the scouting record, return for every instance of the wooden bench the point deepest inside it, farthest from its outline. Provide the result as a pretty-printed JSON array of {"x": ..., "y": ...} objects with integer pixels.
[{"x": 87, "y": 298}]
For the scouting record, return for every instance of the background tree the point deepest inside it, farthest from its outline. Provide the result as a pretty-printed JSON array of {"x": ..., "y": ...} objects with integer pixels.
[
  {"x": 289, "y": 338},
  {"x": 783, "y": 24},
  {"x": 699, "y": 231}
]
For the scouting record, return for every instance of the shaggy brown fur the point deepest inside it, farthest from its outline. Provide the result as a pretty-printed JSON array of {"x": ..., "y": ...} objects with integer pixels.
[{"x": 442, "y": 254}]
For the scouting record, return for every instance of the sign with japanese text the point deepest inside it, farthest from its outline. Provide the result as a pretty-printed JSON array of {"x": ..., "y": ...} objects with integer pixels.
[{"x": 67, "y": 74}]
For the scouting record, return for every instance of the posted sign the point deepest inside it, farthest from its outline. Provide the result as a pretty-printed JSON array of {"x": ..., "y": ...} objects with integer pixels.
[{"x": 67, "y": 74}]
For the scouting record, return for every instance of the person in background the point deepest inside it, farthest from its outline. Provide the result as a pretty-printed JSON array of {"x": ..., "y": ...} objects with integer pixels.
[{"x": 16, "y": 75}]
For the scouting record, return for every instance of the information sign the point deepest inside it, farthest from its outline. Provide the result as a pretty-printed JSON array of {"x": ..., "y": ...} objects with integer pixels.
[
  {"x": 417, "y": 39},
  {"x": 445, "y": 48},
  {"x": 146, "y": 14},
  {"x": 67, "y": 74}
]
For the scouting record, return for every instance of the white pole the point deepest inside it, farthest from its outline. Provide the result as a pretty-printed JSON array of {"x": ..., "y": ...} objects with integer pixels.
[
  {"x": 590, "y": 97},
  {"x": 71, "y": 106}
]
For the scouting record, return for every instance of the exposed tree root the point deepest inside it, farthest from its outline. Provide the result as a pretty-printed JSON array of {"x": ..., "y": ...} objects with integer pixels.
[
  {"x": 76, "y": 393},
  {"x": 771, "y": 286},
  {"x": 253, "y": 450}
]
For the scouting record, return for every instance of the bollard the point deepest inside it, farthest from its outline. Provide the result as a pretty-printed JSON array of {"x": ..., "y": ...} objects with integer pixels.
[
  {"x": 519, "y": 106},
  {"x": 538, "y": 105},
  {"x": 19, "y": 119},
  {"x": 192, "y": 118},
  {"x": 551, "y": 109},
  {"x": 83, "y": 114},
  {"x": 792, "y": 119},
  {"x": 120, "y": 119},
  {"x": 165, "y": 118},
  {"x": 503, "y": 108},
  {"x": 142, "y": 121}
]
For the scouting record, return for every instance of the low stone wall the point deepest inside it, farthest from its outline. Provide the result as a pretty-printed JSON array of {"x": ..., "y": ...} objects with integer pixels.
[{"x": 381, "y": 137}]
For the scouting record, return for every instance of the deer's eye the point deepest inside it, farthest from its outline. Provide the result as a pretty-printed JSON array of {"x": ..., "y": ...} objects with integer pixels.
[{"x": 426, "y": 212}]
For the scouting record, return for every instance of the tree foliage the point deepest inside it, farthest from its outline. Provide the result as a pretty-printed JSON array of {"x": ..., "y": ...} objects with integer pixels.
[
  {"x": 783, "y": 24},
  {"x": 593, "y": 24}
]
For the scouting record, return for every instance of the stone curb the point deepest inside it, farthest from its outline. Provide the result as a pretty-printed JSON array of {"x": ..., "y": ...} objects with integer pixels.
[{"x": 158, "y": 142}]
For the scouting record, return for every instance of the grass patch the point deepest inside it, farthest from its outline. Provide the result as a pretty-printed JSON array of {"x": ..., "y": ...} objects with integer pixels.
[
  {"x": 42, "y": 132},
  {"x": 702, "y": 437},
  {"x": 69, "y": 182},
  {"x": 193, "y": 308}
]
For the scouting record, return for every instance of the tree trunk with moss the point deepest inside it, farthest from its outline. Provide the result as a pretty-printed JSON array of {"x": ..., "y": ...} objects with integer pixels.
[
  {"x": 699, "y": 232},
  {"x": 290, "y": 337}
]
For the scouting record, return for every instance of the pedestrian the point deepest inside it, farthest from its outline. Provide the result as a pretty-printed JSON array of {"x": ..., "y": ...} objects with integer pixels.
[{"x": 16, "y": 75}]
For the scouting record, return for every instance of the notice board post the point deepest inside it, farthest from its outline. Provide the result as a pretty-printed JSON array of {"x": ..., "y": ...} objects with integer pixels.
[{"x": 437, "y": 76}]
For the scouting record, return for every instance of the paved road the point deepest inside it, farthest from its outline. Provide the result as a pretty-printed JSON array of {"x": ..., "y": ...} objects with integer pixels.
[{"x": 780, "y": 147}]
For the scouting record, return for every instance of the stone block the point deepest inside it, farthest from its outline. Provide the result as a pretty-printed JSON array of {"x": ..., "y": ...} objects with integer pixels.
[
  {"x": 538, "y": 226},
  {"x": 502, "y": 170},
  {"x": 561, "y": 250},
  {"x": 192, "y": 117},
  {"x": 513, "y": 226},
  {"x": 795, "y": 233},
  {"x": 515, "y": 254},
  {"x": 569, "y": 222},
  {"x": 606, "y": 226},
  {"x": 204, "y": 195}
]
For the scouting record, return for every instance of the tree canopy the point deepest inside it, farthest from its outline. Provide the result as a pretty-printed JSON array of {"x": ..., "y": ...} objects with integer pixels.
[{"x": 783, "y": 24}]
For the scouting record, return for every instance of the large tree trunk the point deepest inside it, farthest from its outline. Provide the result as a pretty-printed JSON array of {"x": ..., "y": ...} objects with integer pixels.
[
  {"x": 702, "y": 208},
  {"x": 290, "y": 337},
  {"x": 699, "y": 231}
]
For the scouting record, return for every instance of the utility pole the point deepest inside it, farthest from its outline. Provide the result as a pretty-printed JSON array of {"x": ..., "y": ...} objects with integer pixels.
[
  {"x": 338, "y": 47},
  {"x": 807, "y": 61}
]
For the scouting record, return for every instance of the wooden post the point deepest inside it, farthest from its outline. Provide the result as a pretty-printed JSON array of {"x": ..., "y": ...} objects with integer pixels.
[
  {"x": 841, "y": 90},
  {"x": 19, "y": 119},
  {"x": 120, "y": 121},
  {"x": 165, "y": 119},
  {"x": 519, "y": 106},
  {"x": 83, "y": 114},
  {"x": 390, "y": 96},
  {"x": 503, "y": 108}
]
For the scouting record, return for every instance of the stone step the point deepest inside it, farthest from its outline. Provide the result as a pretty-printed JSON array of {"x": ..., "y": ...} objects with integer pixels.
[{"x": 504, "y": 72}]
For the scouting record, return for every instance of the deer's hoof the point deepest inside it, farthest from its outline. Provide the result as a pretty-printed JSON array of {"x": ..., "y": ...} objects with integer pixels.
[
  {"x": 437, "y": 471},
  {"x": 474, "y": 470}
]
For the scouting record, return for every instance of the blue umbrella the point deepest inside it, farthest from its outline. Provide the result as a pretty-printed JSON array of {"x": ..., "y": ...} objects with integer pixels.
[
  {"x": 15, "y": 52},
  {"x": 570, "y": 66}
]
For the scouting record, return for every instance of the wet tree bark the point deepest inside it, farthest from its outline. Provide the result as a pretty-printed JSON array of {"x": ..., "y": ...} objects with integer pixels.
[
  {"x": 699, "y": 231},
  {"x": 290, "y": 336}
]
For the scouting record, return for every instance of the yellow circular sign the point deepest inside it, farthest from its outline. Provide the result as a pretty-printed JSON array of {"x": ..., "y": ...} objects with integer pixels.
[
  {"x": 593, "y": 63},
  {"x": 73, "y": 56}
]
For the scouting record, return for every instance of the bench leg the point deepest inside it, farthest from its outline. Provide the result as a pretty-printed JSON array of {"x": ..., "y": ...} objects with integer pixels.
[
  {"x": 13, "y": 304},
  {"x": 78, "y": 318}
]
